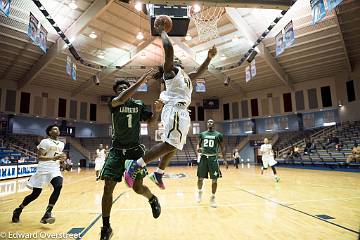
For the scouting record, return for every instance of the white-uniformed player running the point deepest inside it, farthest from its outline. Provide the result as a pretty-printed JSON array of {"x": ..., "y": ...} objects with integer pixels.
[
  {"x": 175, "y": 116},
  {"x": 50, "y": 153},
  {"x": 268, "y": 158},
  {"x": 99, "y": 160}
]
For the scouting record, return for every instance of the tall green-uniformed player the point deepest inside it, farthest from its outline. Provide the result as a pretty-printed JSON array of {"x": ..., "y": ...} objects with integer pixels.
[
  {"x": 126, "y": 114},
  {"x": 209, "y": 143}
]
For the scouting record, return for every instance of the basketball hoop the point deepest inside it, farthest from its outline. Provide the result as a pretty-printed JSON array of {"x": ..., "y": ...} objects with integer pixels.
[{"x": 206, "y": 21}]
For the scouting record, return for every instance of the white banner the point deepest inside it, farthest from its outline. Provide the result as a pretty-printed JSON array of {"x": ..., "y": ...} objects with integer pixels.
[{"x": 247, "y": 74}]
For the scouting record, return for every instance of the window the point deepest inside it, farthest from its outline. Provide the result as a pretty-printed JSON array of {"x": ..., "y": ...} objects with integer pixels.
[
  {"x": 196, "y": 128},
  {"x": 144, "y": 129},
  {"x": 287, "y": 102},
  {"x": 254, "y": 107},
  {"x": 350, "y": 90},
  {"x": 326, "y": 96},
  {"x": 226, "y": 108},
  {"x": 200, "y": 111},
  {"x": 92, "y": 112},
  {"x": 25, "y": 102},
  {"x": 62, "y": 108}
]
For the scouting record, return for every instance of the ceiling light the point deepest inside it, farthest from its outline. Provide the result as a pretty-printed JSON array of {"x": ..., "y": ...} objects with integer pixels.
[
  {"x": 140, "y": 36},
  {"x": 188, "y": 37},
  {"x": 223, "y": 57},
  {"x": 101, "y": 55},
  {"x": 93, "y": 35},
  {"x": 73, "y": 5},
  {"x": 138, "y": 6},
  {"x": 197, "y": 8}
]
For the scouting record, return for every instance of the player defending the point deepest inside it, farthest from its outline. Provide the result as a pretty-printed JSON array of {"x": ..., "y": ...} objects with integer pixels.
[
  {"x": 126, "y": 114},
  {"x": 208, "y": 146},
  {"x": 99, "y": 160},
  {"x": 175, "y": 116},
  {"x": 48, "y": 171},
  {"x": 268, "y": 158}
]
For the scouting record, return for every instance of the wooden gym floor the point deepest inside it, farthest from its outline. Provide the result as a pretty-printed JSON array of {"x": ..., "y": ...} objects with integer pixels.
[{"x": 250, "y": 206}]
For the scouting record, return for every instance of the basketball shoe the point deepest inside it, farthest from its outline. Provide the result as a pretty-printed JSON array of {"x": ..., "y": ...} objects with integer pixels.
[{"x": 157, "y": 179}]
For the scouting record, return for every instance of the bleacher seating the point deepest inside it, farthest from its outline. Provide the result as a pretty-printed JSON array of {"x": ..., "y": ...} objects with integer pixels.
[{"x": 347, "y": 133}]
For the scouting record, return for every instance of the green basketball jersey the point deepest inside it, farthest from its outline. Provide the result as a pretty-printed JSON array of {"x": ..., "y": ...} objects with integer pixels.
[
  {"x": 210, "y": 142},
  {"x": 126, "y": 123}
]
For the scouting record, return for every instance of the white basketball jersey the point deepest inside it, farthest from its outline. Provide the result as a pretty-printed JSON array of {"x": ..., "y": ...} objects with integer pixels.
[
  {"x": 51, "y": 148},
  {"x": 178, "y": 89},
  {"x": 100, "y": 153},
  {"x": 266, "y": 150}
]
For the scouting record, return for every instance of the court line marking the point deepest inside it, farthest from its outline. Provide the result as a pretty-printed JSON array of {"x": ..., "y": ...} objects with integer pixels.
[
  {"x": 299, "y": 211},
  {"x": 82, "y": 234}
]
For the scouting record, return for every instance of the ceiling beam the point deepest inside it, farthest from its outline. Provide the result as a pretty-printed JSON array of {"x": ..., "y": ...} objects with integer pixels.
[
  {"x": 269, "y": 4},
  {"x": 107, "y": 73},
  {"x": 343, "y": 45},
  {"x": 216, "y": 73},
  {"x": 98, "y": 7},
  {"x": 238, "y": 21}
]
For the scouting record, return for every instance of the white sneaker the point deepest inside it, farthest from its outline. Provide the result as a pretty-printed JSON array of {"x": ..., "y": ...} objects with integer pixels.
[
  {"x": 198, "y": 196},
  {"x": 212, "y": 202}
]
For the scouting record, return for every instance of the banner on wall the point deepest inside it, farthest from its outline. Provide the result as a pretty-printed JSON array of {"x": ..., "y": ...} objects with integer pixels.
[
  {"x": 329, "y": 117},
  {"x": 248, "y": 127},
  {"x": 5, "y": 7},
  {"x": 253, "y": 69},
  {"x": 269, "y": 124},
  {"x": 200, "y": 86},
  {"x": 247, "y": 74},
  {"x": 317, "y": 10},
  {"x": 43, "y": 38},
  {"x": 333, "y": 3},
  {"x": 284, "y": 123},
  {"x": 68, "y": 65},
  {"x": 289, "y": 34},
  {"x": 73, "y": 71},
  {"x": 279, "y": 44},
  {"x": 33, "y": 29},
  {"x": 309, "y": 120}
]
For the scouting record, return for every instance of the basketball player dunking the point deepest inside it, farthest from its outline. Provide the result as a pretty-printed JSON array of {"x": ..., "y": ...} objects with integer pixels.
[
  {"x": 175, "y": 116},
  {"x": 48, "y": 171}
]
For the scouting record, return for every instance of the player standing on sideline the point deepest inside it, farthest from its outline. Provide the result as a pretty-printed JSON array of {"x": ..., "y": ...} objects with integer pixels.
[
  {"x": 48, "y": 171},
  {"x": 99, "y": 160},
  {"x": 209, "y": 143},
  {"x": 175, "y": 116},
  {"x": 236, "y": 156},
  {"x": 126, "y": 114},
  {"x": 268, "y": 158}
]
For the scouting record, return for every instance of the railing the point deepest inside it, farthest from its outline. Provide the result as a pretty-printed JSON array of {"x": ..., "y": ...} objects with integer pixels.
[
  {"x": 77, "y": 145},
  {"x": 23, "y": 150},
  {"x": 314, "y": 135}
]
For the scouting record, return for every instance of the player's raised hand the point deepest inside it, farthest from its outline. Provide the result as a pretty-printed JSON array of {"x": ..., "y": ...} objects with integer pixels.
[
  {"x": 158, "y": 104},
  {"x": 212, "y": 52}
]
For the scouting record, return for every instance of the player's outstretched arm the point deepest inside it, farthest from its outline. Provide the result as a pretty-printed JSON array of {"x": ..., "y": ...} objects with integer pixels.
[
  {"x": 169, "y": 54},
  {"x": 128, "y": 93},
  {"x": 204, "y": 66}
]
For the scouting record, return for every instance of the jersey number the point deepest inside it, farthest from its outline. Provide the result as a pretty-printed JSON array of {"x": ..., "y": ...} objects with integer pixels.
[
  {"x": 129, "y": 116},
  {"x": 208, "y": 143}
]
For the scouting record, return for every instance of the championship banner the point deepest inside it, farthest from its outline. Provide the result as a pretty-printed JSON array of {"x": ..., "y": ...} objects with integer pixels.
[
  {"x": 279, "y": 44},
  {"x": 289, "y": 34},
  {"x": 317, "y": 10},
  {"x": 284, "y": 123},
  {"x": 5, "y": 7},
  {"x": 43, "y": 38},
  {"x": 33, "y": 29},
  {"x": 68, "y": 65},
  {"x": 73, "y": 71},
  {"x": 269, "y": 124},
  {"x": 200, "y": 85},
  {"x": 253, "y": 69},
  {"x": 309, "y": 120},
  {"x": 333, "y": 3},
  {"x": 247, "y": 74}
]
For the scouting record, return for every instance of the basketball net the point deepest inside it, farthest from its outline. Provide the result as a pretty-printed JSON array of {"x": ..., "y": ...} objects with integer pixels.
[{"x": 206, "y": 21}]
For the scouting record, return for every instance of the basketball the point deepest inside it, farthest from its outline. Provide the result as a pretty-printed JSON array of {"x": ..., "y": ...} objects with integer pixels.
[{"x": 165, "y": 21}]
